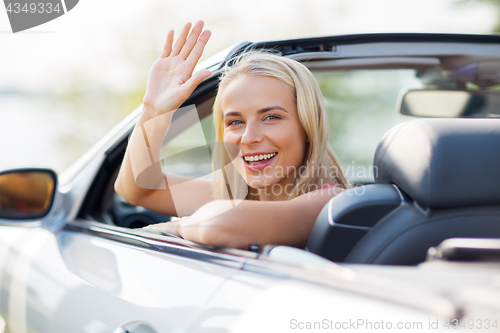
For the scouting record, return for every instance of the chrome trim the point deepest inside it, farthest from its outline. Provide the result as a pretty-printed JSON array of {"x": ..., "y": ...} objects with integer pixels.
[
  {"x": 347, "y": 226},
  {"x": 401, "y": 197},
  {"x": 330, "y": 218},
  {"x": 425, "y": 211},
  {"x": 165, "y": 244}
]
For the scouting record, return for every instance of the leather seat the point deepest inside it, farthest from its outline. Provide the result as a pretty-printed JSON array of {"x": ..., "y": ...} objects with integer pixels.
[{"x": 435, "y": 179}]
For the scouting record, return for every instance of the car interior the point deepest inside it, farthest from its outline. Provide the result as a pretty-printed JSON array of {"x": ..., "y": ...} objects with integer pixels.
[
  {"x": 435, "y": 181},
  {"x": 429, "y": 178}
]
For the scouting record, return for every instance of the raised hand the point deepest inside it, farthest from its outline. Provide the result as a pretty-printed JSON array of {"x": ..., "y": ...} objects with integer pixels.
[{"x": 171, "y": 80}]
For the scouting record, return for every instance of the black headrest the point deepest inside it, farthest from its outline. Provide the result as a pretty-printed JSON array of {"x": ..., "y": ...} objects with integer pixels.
[{"x": 443, "y": 163}]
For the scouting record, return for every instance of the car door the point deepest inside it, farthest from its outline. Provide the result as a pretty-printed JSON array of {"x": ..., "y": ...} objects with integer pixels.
[
  {"x": 82, "y": 281},
  {"x": 78, "y": 275},
  {"x": 76, "y": 271}
]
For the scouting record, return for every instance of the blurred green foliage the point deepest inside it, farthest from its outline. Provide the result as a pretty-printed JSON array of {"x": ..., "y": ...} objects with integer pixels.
[{"x": 360, "y": 105}]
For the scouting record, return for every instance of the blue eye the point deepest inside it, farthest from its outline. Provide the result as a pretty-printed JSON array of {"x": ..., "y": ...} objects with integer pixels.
[
  {"x": 234, "y": 122},
  {"x": 272, "y": 117}
]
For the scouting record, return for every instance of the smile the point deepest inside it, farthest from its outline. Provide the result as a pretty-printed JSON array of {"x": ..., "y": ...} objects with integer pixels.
[{"x": 261, "y": 157}]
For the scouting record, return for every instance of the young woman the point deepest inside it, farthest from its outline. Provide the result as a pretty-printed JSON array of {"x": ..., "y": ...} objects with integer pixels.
[{"x": 271, "y": 110}]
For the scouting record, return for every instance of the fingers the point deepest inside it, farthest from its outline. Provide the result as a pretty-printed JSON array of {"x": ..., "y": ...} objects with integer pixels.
[
  {"x": 195, "y": 80},
  {"x": 172, "y": 228},
  {"x": 192, "y": 39},
  {"x": 197, "y": 51},
  {"x": 181, "y": 40},
  {"x": 187, "y": 47},
  {"x": 167, "y": 48}
]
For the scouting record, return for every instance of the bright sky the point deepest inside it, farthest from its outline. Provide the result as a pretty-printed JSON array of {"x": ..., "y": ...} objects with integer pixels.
[
  {"x": 88, "y": 36},
  {"x": 112, "y": 44}
]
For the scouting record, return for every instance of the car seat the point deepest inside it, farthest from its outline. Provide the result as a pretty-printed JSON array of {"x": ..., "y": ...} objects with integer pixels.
[{"x": 434, "y": 179}]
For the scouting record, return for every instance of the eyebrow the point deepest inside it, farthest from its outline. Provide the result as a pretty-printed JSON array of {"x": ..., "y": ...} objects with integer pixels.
[{"x": 264, "y": 110}]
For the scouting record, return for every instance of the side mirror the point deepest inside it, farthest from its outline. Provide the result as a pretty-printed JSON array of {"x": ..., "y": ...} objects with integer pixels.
[
  {"x": 449, "y": 103},
  {"x": 27, "y": 194}
]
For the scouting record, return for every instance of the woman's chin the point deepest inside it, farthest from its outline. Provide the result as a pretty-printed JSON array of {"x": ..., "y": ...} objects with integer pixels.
[{"x": 260, "y": 184}]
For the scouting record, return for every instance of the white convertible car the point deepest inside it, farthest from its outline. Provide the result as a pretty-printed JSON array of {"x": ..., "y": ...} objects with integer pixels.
[{"x": 414, "y": 247}]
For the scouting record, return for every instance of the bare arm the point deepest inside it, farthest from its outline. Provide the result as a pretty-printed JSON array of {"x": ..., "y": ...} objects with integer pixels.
[
  {"x": 171, "y": 81},
  {"x": 261, "y": 222}
]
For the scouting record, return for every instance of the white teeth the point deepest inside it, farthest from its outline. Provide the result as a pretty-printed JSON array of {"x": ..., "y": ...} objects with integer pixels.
[{"x": 258, "y": 157}]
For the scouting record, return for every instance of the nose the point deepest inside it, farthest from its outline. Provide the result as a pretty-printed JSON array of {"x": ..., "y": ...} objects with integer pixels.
[{"x": 252, "y": 134}]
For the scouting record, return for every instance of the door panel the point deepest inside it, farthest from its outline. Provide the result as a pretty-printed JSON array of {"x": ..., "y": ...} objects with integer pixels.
[
  {"x": 75, "y": 282},
  {"x": 224, "y": 311},
  {"x": 12, "y": 239},
  {"x": 251, "y": 302}
]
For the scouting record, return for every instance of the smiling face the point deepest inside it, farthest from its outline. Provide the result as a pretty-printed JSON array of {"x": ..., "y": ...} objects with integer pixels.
[{"x": 260, "y": 117}]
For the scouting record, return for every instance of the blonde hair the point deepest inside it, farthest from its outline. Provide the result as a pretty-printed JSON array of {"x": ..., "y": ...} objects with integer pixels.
[{"x": 319, "y": 161}]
